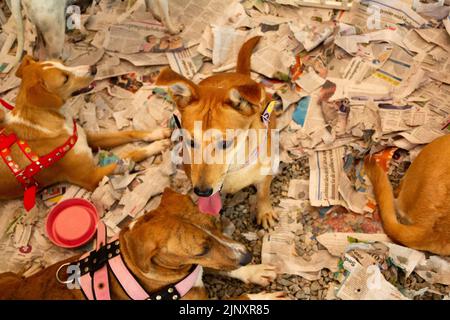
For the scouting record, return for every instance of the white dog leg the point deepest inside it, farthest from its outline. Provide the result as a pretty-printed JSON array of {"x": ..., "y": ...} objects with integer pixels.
[
  {"x": 259, "y": 274},
  {"x": 160, "y": 9}
]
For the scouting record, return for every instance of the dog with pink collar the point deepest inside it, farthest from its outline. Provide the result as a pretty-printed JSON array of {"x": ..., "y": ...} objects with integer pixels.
[{"x": 160, "y": 256}]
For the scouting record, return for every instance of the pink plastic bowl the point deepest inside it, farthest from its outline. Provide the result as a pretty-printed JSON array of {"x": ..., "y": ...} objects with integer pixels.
[{"x": 72, "y": 223}]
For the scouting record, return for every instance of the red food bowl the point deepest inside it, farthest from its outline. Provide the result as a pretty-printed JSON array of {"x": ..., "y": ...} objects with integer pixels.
[{"x": 72, "y": 223}]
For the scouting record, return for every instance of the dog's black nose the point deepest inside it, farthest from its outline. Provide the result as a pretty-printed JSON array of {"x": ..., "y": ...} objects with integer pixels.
[
  {"x": 203, "y": 192},
  {"x": 93, "y": 70},
  {"x": 246, "y": 258}
]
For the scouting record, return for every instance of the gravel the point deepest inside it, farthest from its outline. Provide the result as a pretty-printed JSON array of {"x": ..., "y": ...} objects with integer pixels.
[{"x": 240, "y": 209}]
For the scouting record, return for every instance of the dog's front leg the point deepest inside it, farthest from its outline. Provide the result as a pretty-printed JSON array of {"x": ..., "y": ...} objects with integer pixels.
[
  {"x": 81, "y": 171},
  {"x": 262, "y": 296},
  {"x": 143, "y": 153},
  {"x": 260, "y": 274},
  {"x": 92, "y": 179},
  {"x": 111, "y": 140},
  {"x": 160, "y": 9},
  {"x": 265, "y": 214}
]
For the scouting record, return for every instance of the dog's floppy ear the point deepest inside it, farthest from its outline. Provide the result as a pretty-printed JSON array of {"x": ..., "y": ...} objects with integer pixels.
[
  {"x": 27, "y": 60},
  {"x": 141, "y": 251},
  {"x": 175, "y": 203},
  {"x": 182, "y": 90},
  {"x": 39, "y": 96},
  {"x": 246, "y": 98}
]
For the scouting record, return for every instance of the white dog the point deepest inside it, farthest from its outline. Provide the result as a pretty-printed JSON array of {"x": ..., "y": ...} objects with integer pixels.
[{"x": 49, "y": 17}]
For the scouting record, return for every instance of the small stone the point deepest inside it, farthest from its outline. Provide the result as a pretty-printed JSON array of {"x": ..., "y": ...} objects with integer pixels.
[
  {"x": 284, "y": 282},
  {"x": 294, "y": 288},
  {"x": 261, "y": 233},
  {"x": 300, "y": 295},
  {"x": 315, "y": 286}
]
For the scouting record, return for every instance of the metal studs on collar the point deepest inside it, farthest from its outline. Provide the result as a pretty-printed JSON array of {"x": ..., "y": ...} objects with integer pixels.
[
  {"x": 170, "y": 290},
  {"x": 158, "y": 297},
  {"x": 175, "y": 297}
]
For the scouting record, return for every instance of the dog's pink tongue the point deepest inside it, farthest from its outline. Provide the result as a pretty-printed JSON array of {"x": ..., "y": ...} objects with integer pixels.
[{"x": 210, "y": 205}]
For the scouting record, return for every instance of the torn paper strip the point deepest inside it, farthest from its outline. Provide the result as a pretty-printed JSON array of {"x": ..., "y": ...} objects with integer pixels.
[{"x": 326, "y": 167}]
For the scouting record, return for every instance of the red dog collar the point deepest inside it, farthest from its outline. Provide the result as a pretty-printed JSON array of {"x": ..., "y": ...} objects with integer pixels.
[
  {"x": 25, "y": 176},
  {"x": 6, "y": 104}
]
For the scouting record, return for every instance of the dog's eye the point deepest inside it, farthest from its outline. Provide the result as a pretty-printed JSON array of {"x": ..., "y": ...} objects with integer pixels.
[
  {"x": 206, "y": 249},
  {"x": 191, "y": 143},
  {"x": 66, "y": 78},
  {"x": 223, "y": 145}
]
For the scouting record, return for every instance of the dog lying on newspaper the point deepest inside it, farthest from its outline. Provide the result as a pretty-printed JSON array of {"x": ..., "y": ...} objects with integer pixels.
[
  {"x": 40, "y": 146},
  {"x": 422, "y": 199},
  {"x": 159, "y": 256},
  {"x": 227, "y": 102}
]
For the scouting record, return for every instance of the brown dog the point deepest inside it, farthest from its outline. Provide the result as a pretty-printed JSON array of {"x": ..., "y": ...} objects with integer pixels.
[
  {"x": 422, "y": 201},
  {"x": 39, "y": 120},
  {"x": 159, "y": 249},
  {"x": 223, "y": 102}
]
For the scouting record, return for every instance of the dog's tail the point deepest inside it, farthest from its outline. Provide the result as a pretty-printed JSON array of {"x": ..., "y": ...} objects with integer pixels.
[
  {"x": 16, "y": 12},
  {"x": 244, "y": 57},
  {"x": 408, "y": 235}
]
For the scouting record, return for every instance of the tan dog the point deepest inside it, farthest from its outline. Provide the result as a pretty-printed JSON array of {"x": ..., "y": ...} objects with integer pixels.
[
  {"x": 223, "y": 102},
  {"x": 38, "y": 119},
  {"x": 423, "y": 199},
  {"x": 159, "y": 249}
]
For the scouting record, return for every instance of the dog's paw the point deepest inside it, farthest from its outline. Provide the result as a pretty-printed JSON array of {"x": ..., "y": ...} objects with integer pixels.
[
  {"x": 158, "y": 134},
  {"x": 266, "y": 218},
  {"x": 158, "y": 147},
  {"x": 162, "y": 145},
  {"x": 177, "y": 29},
  {"x": 268, "y": 296},
  {"x": 260, "y": 274}
]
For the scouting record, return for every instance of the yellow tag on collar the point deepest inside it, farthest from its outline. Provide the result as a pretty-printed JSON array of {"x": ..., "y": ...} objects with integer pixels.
[{"x": 265, "y": 117}]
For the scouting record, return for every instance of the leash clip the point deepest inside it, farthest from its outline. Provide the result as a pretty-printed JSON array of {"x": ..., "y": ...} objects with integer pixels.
[{"x": 59, "y": 270}]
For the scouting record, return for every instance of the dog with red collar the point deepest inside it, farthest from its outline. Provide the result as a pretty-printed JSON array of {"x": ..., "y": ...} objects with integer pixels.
[
  {"x": 41, "y": 146},
  {"x": 159, "y": 256}
]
